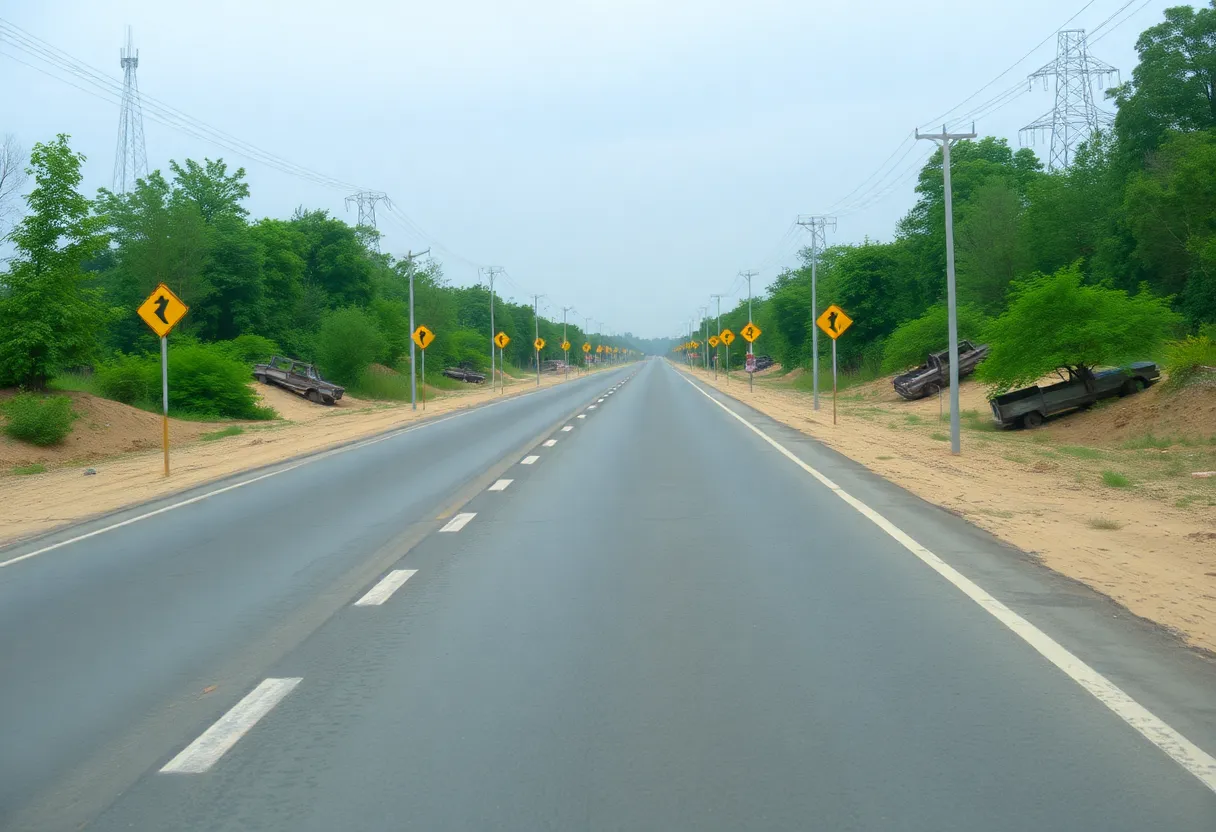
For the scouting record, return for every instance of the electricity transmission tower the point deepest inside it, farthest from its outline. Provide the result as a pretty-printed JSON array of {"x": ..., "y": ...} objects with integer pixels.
[
  {"x": 818, "y": 226},
  {"x": 1075, "y": 116},
  {"x": 131, "y": 156},
  {"x": 366, "y": 200}
]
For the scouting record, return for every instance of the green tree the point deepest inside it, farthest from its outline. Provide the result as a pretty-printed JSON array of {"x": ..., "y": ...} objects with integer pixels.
[
  {"x": 52, "y": 310},
  {"x": 1058, "y": 321},
  {"x": 1173, "y": 87},
  {"x": 991, "y": 247},
  {"x": 347, "y": 343},
  {"x": 213, "y": 191},
  {"x": 913, "y": 340}
]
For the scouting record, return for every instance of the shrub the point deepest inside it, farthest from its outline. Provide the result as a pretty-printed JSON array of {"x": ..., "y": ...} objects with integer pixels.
[
  {"x": 38, "y": 420},
  {"x": 250, "y": 349},
  {"x": 205, "y": 380},
  {"x": 908, "y": 345},
  {"x": 379, "y": 382},
  {"x": 129, "y": 379},
  {"x": 347, "y": 343},
  {"x": 1115, "y": 480},
  {"x": 1185, "y": 359},
  {"x": 469, "y": 348}
]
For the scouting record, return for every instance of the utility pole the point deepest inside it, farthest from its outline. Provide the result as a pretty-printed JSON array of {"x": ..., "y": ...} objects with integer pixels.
[
  {"x": 409, "y": 261},
  {"x": 587, "y": 335},
  {"x": 703, "y": 311},
  {"x": 536, "y": 321},
  {"x": 491, "y": 271},
  {"x": 946, "y": 140},
  {"x": 818, "y": 227},
  {"x": 749, "y": 275},
  {"x": 718, "y": 298},
  {"x": 366, "y": 202},
  {"x": 565, "y": 340},
  {"x": 1075, "y": 116},
  {"x": 131, "y": 157}
]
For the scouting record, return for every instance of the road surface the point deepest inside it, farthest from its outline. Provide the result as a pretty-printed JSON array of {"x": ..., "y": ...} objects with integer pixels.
[{"x": 620, "y": 603}]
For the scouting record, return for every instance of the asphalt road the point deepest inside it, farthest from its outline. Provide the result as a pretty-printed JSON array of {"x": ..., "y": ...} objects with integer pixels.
[{"x": 661, "y": 622}]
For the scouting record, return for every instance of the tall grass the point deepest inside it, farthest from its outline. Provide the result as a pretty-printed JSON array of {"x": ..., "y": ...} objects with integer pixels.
[
  {"x": 39, "y": 420},
  {"x": 1185, "y": 360}
]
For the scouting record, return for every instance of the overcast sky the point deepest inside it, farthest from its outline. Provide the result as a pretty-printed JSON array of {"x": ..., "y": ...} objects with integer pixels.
[{"x": 626, "y": 157}]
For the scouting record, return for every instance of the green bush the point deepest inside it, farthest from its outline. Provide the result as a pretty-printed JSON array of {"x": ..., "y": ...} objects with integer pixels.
[
  {"x": 908, "y": 345},
  {"x": 129, "y": 379},
  {"x": 1185, "y": 359},
  {"x": 250, "y": 349},
  {"x": 39, "y": 420},
  {"x": 347, "y": 343},
  {"x": 205, "y": 380},
  {"x": 469, "y": 348}
]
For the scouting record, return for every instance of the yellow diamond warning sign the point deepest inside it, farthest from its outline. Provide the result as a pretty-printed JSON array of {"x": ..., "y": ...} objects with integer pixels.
[
  {"x": 162, "y": 310},
  {"x": 834, "y": 321},
  {"x": 750, "y": 332}
]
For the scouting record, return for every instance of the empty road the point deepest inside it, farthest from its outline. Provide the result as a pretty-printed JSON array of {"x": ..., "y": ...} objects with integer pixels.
[{"x": 622, "y": 603}]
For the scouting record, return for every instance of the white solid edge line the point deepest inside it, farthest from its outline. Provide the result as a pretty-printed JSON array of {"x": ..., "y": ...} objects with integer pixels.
[
  {"x": 1184, "y": 752},
  {"x": 500, "y": 485},
  {"x": 567, "y": 428},
  {"x": 389, "y": 584},
  {"x": 549, "y": 443},
  {"x": 199, "y": 498},
  {"x": 528, "y": 460},
  {"x": 204, "y": 752},
  {"x": 459, "y": 521}
]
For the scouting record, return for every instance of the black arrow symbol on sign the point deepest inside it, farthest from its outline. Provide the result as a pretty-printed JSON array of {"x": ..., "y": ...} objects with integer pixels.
[
  {"x": 832, "y": 321},
  {"x": 162, "y": 303}
]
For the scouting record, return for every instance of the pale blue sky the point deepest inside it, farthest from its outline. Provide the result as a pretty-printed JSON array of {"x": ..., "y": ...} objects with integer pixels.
[{"x": 624, "y": 157}]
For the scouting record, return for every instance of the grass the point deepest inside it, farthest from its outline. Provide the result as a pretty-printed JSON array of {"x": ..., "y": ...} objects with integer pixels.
[
  {"x": 1105, "y": 524},
  {"x": 940, "y": 437},
  {"x": 76, "y": 383},
  {"x": 886, "y": 457},
  {"x": 1080, "y": 452},
  {"x": 26, "y": 470},
  {"x": 231, "y": 430},
  {"x": 913, "y": 419},
  {"x": 1147, "y": 441},
  {"x": 1020, "y": 460},
  {"x": 974, "y": 420},
  {"x": 1115, "y": 480}
]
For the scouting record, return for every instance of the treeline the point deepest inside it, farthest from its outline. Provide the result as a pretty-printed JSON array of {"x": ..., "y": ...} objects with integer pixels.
[
  {"x": 1134, "y": 214},
  {"x": 310, "y": 286}
]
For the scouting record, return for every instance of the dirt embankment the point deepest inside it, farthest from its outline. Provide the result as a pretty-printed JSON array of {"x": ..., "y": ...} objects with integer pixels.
[
  {"x": 1104, "y": 496},
  {"x": 122, "y": 444}
]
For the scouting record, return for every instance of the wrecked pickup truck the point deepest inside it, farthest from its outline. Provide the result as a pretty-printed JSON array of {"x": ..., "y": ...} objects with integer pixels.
[
  {"x": 1030, "y": 406},
  {"x": 466, "y": 375},
  {"x": 298, "y": 377},
  {"x": 934, "y": 375}
]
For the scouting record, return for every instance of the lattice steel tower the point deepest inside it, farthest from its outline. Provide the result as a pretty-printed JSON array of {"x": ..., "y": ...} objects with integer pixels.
[
  {"x": 1075, "y": 116},
  {"x": 131, "y": 157},
  {"x": 366, "y": 200}
]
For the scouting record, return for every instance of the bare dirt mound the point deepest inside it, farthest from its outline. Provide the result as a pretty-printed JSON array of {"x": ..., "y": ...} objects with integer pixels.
[
  {"x": 104, "y": 428},
  {"x": 1189, "y": 413},
  {"x": 297, "y": 408},
  {"x": 771, "y": 370}
]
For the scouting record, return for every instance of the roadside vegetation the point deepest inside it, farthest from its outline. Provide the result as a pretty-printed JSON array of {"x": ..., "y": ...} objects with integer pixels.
[{"x": 1110, "y": 260}]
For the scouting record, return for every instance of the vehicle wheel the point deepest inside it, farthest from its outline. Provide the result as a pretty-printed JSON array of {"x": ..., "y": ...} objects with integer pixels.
[
  {"x": 1131, "y": 386},
  {"x": 261, "y": 378},
  {"x": 314, "y": 397},
  {"x": 1032, "y": 419}
]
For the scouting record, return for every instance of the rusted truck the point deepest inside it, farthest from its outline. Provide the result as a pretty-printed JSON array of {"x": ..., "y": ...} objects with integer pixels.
[
  {"x": 298, "y": 377},
  {"x": 1081, "y": 387},
  {"x": 464, "y": 374},
  {"x": 934, "y": 375}
]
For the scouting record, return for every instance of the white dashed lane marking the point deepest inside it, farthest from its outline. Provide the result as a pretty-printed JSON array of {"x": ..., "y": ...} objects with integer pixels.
[
  {"x": 582, "y": 415},
  {"x": 204, "y": 752},
  {"x": 567, "y": 428},
  {"x": 382, "y": 591},
  {"x": 501, "y": 485},
  {"x": 529, "y": 460},
  {"x": 549, "y": 443},
  {"x": 459, "y": 521}
]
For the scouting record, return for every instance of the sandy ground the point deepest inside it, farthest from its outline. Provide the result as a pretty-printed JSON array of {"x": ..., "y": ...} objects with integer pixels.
[
  {"x": 1043, "y": 490},
  {"x": 33, "y": 504}
]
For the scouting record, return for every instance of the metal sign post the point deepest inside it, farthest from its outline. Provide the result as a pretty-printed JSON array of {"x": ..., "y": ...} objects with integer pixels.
[
  {"x": 833, "y": 322},
  {"x": 423, "y": 338},
  {"x": 161, "y": 311},
  {"x": 833, "y": 380}
]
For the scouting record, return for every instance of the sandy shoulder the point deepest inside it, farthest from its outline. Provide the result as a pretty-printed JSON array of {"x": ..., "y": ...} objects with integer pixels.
[
  {"x": 35, "y": 504},
  {"x": 1160, "y": 563}
]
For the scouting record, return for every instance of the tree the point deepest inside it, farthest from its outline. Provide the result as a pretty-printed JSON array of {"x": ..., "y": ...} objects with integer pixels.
[
  {"x": 913, "y": 340},
  {"x": 1170, "y": 208},
  {"x": 991, "y": 248},
  {"x": 52, "y": 310},
  {"x": 212, "y": 190},
  {"x": 12, "y": 177},
  {"x": 1173, "y": 87},
  {"x": 347, "y": 343},
  {"x": 1058, "y": 321}
]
